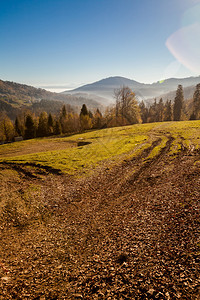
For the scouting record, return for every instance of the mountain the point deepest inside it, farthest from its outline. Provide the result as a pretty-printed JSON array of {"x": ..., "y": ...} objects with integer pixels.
[
  {"x": 108, "y": 83},
  {"x": 105, "y": 88},
  {"x": 15, "y": 96}
]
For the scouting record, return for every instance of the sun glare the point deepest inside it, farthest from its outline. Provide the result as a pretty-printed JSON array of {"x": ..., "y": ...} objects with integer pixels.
[{"x": 184, "y": 44}]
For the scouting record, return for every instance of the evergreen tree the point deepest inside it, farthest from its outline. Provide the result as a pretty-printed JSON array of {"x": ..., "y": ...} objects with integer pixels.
[
  {"x": 85, "y": 119},
  {"x": 42, "y": 125},
  {"x": 168, "y": 116},
  {"x": 153, "y": 113},
  {"x": 29, "y": 127},
  {"x": 84, "y": 110},
  {"x": 90, "y": 114},
  {"x": 178, "y": 103},
  {"x": 143, "y": 112},
  {"x": 18, "y": 127},
  {"x": 98, "y": 112},
  {"x": 64, "y": 112},
  {"x": 196, "y": 102},
  {"x": 50, "y": 124},
  {"x": 57, "y": 128},
  {"x": 160, "y": 110},
  {"x": 63, "y": 119}
]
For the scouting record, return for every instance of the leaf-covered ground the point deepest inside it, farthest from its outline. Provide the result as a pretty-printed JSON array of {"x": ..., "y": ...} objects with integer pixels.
[{"x": 127, "y": 230}]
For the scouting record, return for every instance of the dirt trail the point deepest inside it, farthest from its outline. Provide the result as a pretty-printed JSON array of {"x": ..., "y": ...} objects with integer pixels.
[{"x": 127, "y": 232}]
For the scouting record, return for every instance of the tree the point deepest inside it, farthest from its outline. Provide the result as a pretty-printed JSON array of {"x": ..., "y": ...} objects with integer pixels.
[
  {"x": 85, "y": 120},
  {"x": 153, "y": 112},
  {"x": 178, "y": 103},
  {"x": 160, "y": 110},
  {"x": 110, "y": 117},
  {"x": 196, "y": 103},
  {"x": 19, "y": 123},
  {"x": 97, "y": 120},
  {"x": 57, "y": 128},
  {"x": 168, "y": 115},
  {"x": 64, "y": 118},
  {"x": 64, "y": 112},
  {"x": 127, "y": 109},
  {"x": 50, "y": 124},
  {"x": 84, "y": 110},
  {"x": 30, "y": 129},
  {"x": 7, "y": 130},
  {"x": 42, "y": 125},
  {"x": 90, "y": 114},
  {"x": 73, "y": 122},
  {"x": 18, "y": 127},
  {"x": 143, "y": 112}
]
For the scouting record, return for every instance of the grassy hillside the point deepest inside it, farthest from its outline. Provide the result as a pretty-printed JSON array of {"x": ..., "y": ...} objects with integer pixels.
[{"x": 114, "y": 144}]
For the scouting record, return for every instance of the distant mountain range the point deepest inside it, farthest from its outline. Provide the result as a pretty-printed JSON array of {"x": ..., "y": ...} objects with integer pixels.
[
  {"x": 104, "y": 89},
  {"x": 14, "y": 97},
  {"x": 29, "y": 94}
]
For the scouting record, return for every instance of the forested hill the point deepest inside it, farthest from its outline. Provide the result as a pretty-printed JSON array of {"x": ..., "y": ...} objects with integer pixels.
[
  {"x": 188, "y": 95},
  {"x": 21, "y": 91},
  {"x": 15, "y": 96}
]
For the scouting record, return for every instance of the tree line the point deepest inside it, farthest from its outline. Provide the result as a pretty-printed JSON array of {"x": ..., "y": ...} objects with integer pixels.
[
  {"x": 178, "y": 110},
  {"x": 27, "y": 125},
  {"x": 126, "y": 111}
]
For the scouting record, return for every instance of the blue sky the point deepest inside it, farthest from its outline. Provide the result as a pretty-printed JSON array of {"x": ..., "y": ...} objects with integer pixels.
[{"x": 73, "y": 42}]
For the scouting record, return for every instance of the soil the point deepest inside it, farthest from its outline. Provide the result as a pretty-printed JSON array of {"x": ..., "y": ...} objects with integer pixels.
[{"x": 124, "y": 232}]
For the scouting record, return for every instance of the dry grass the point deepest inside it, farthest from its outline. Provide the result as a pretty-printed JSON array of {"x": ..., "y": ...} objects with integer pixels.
[{"x": 35, "y": 146}]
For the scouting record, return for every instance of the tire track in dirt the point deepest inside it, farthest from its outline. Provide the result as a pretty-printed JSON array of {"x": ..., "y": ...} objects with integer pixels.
[
  {"x": 121, "y": 177},
  {"x": 146, "y": 167},
  {"x": 108, "y": 178},
  {"x": 38, "y": 168},
  {"x": 149, "y": 228},
  {"x": 137, "y": 244},
  {"x": 148, "y": 150},
  {"x": 121, "y": 171}
]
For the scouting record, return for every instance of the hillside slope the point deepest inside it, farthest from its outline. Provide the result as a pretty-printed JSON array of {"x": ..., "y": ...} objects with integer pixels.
[
  {"x": 128, "y": 229},
  {"x": 18, "y": 96}
]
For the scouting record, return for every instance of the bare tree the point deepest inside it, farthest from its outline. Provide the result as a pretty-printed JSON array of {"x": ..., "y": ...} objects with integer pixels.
[{"x": 127, "y": 110}]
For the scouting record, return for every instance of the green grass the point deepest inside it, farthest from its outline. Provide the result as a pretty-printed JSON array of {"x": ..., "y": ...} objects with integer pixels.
[
  {"x": 158, "y": 148},
  {"x": 111, "y": 145},
  {"x": 186, "y": 134}
]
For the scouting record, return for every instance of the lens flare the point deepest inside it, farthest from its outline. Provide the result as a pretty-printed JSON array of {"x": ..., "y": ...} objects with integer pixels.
[
  {"x": 191, "y": 16},
  {"x": 184, "y": 44}
]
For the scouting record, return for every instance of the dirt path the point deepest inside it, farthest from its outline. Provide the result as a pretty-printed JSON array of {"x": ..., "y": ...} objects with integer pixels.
[{"x": 127, "y": 232}]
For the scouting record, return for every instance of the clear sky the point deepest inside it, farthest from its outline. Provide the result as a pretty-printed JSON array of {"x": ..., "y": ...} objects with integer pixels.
[{"x": 73, "y": 42}]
